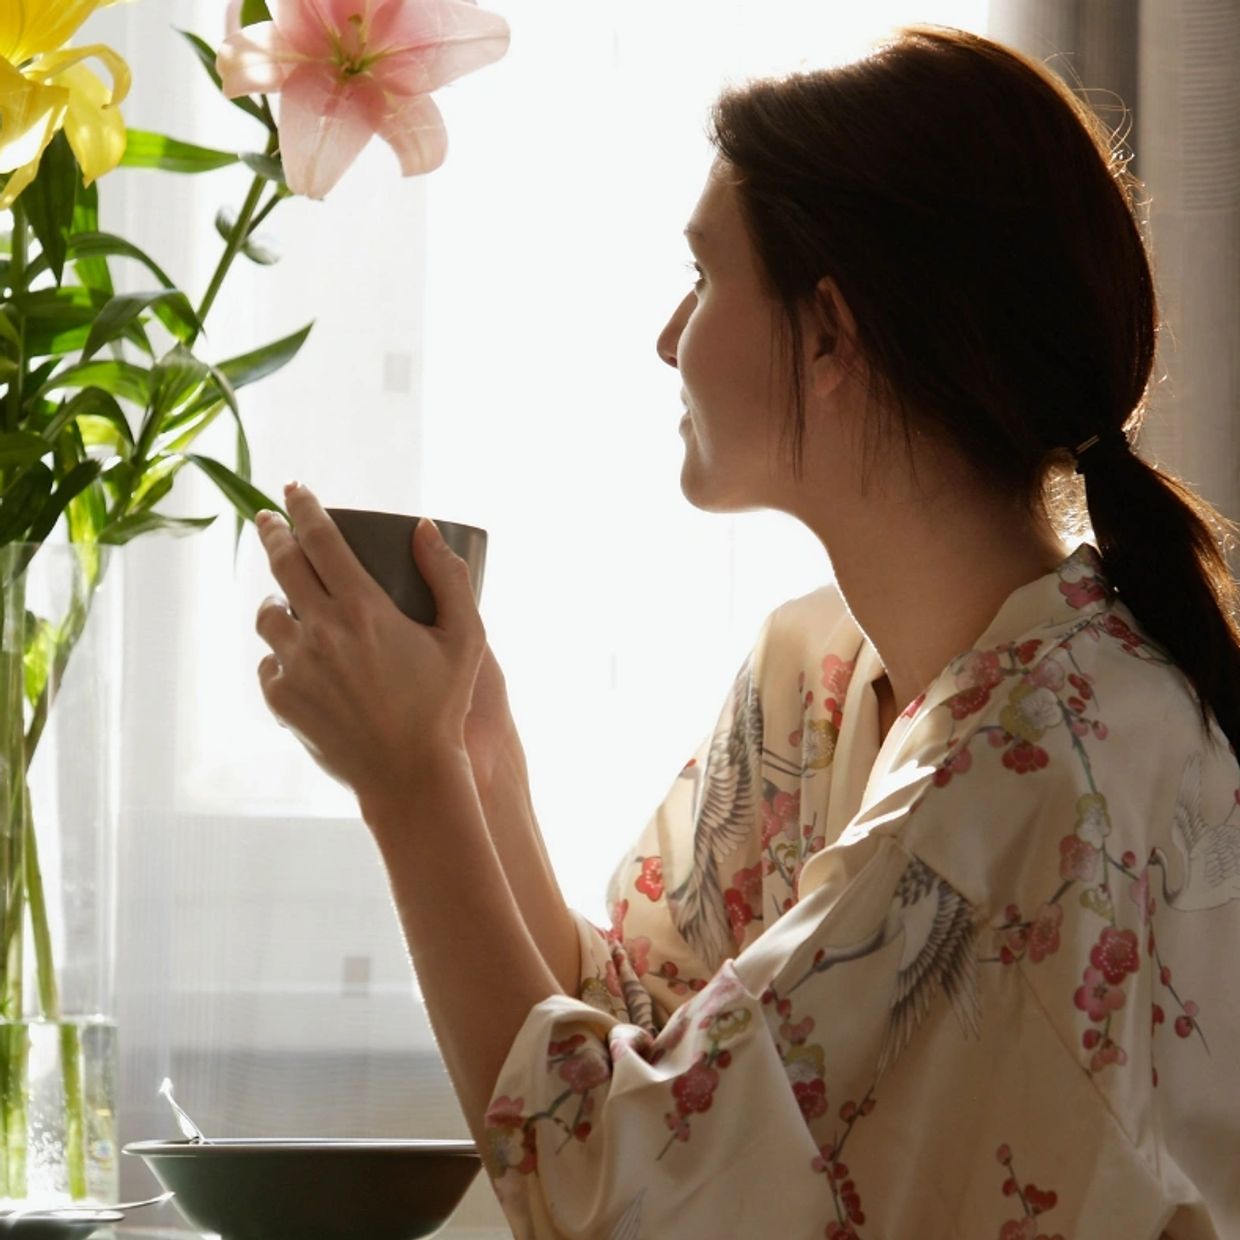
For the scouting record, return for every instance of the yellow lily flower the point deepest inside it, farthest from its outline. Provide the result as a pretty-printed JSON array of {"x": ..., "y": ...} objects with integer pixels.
[{"x": 45, "y": 87}]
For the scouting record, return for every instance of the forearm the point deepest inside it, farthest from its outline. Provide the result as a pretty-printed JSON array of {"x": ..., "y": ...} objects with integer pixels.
[
  {"x": 478, "y": 966},
  {"x": 510, "y": 818}
]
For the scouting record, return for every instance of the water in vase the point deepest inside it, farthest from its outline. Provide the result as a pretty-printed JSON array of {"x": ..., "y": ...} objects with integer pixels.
[{"x": 59, "y": 1127}]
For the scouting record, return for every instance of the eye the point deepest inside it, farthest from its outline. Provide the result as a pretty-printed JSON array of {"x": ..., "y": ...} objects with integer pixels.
[{"x": 701, "y": 279}]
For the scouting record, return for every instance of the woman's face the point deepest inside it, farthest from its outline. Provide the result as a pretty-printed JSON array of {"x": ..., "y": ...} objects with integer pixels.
[{"x": 721, "y": 339}]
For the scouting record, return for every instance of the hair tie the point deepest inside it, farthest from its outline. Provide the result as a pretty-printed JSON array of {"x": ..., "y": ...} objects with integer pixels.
[{"x": 1106, "y": 439}]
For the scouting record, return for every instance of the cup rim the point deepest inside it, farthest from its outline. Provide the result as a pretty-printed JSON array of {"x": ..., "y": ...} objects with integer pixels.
[{"x": 405, "y": 516}]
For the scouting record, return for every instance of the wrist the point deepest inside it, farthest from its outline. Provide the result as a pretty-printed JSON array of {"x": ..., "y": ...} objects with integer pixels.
[
  {"x": 439, "y": 772},
  {"x": 501, "y": 772}
]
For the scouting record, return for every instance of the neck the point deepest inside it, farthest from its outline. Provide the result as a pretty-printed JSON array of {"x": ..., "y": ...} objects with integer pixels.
[{"x": 924, "y": 590}]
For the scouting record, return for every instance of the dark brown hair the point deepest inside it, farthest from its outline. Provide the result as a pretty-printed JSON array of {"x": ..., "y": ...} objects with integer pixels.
[{"x": 982, "y": 225}]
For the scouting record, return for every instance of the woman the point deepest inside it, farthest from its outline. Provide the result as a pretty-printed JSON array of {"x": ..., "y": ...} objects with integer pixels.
[{"x": 935, "y": 933}]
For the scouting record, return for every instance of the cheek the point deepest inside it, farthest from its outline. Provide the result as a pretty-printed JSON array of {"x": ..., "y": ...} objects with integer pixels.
[{"x": 696, "y": 351}]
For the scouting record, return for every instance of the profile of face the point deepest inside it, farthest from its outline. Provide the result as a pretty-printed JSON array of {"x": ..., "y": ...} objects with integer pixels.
[
  {"x": 721, "y": 339},
  {"x": 735, "y": 381}
]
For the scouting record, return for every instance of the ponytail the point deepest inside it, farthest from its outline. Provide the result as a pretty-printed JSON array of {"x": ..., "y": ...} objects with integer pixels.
[{"x": 1163, "y": 548}]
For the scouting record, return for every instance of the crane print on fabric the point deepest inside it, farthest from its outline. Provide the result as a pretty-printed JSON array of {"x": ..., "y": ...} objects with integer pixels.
[
  {"x": 1209, "y": 854},
  {"x": 937, "y": 930},
  {"x": 726, "y": 797}
]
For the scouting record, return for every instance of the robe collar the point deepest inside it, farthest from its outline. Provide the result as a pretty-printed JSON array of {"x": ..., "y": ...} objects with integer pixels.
[{"x": 1033, "y": 620}]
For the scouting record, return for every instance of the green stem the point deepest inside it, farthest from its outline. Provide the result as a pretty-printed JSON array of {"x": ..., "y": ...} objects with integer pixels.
[
  {"x": 12, "y": 889},
  {"x": 17, "y": 285},
  {"x": 267, "y": 208},
  {"x": 24, "y": 887},
  {"x": 232, "y": 247}
]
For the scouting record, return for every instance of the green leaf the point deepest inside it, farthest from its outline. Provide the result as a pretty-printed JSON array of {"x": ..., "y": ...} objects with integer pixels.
[
  {"x": 8, "y": 331},
  {"x": 94, "y": 408},
  {"x": 176, "y": 379},
  {"x": 250, "y": 367},
  {"x": 23, "y": 502},
  {"x": 266, "y": 166},
  {"x": 92, "y": 272},
  {"x": 49, "y": 199},
  {"x": 156, "y": 481},
  {"x": 38, "y": 656},
  {"x": 101, "y": 244},
  {"x": 180, "y": 430},
  {"x": 144, "y": 149},
  {"x": 99, "y": 432},
  {"x": 122, "y": 310},
  {"x": 59, "y": 321},
  {"x": 206, "y": 57},
  {"x": 253, "y": 11},
  {"x": 247, "y": 499},
  {"x": 237, "y": 372},
  {"x": 256, "y": 249},
  {"x": 72, "y": 485},
  {"x": 122, "y": 379},
  {"x": 22, "y": 448},
  {"x": 148, "y": 523},
  {"x": 86, "y": 512}
]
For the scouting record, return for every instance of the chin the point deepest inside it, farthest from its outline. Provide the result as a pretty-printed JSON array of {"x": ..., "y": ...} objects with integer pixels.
[{"x": 700, "y": 494}]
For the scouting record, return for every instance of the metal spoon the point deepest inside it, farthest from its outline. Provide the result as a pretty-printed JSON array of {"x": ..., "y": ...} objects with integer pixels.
[{"x": 187, "y": 1126}]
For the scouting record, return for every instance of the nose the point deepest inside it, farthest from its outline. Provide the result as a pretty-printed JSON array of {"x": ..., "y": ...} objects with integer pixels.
[{"x": 669, "y": 337}]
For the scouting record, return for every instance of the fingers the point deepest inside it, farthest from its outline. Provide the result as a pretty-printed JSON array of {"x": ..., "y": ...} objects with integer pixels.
[
  {"x": 447, "y": 574},
  {"x": 276, "y": 625},
  {"x": 326, "y": 551},
  {"x": 289, "y": 564},
  {"x": 269, "y": 671}
]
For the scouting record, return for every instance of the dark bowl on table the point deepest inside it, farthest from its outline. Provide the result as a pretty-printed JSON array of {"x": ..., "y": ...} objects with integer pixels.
[{"x": 283, "y": 1188}]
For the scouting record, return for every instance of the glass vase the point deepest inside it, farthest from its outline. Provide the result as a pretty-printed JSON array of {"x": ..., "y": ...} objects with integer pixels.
[{"x": 59, "y": 729}]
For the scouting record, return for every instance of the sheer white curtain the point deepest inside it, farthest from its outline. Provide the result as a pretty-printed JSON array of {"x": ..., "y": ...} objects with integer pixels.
[{"x": 485, "y": 352}]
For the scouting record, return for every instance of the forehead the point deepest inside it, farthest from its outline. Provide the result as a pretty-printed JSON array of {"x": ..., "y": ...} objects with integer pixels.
[{"x": 716, "y": 217}]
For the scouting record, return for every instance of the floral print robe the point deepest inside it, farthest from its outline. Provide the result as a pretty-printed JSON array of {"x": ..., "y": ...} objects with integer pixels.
[{"x": 982, "y": 981}]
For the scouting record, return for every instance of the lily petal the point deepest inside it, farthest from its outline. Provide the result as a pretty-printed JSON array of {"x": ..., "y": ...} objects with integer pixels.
[
  {"x": 30, "y": 114},
  {"x": 308, "y": 27},
  {"x": 324, "y": 123},
  {"x": 51, "y": 66},
  {"x": 256, "y": 60},
  {"x": 415, "y": 131},
  {"x": 28, "y": 29},
  {"x": 94, "y": 127},
  {"x": 399, "y": 25},
  {"x": 417, "y": 71}
]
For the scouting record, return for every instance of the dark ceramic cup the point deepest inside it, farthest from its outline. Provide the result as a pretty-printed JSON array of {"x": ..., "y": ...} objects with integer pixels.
[{"x": 383, "y": 542}]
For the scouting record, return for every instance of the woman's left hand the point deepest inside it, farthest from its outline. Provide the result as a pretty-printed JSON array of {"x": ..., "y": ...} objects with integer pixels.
[{"x": 370, "y": 693}]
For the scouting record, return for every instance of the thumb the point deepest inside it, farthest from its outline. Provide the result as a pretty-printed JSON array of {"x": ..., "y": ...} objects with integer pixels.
[{"x": 448, "y": 577}]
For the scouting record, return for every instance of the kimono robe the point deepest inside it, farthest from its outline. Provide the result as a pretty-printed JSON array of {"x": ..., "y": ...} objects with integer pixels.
[{"x": 981, "y": 981}]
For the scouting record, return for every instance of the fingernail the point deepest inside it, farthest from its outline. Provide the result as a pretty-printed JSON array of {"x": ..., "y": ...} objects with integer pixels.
[
  {"x": 290, "y": 487},
  {"x": 433, "y": 532},
  {"x": 264, "y": 518}
]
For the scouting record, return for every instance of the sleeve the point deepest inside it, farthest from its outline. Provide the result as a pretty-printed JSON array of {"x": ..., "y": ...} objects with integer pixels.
[
  {"x": 813, "y": 1088},
  {"x": 684, "y": 896}
]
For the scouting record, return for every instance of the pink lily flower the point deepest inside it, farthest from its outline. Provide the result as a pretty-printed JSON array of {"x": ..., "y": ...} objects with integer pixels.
[{"x": 346, "y": 70}]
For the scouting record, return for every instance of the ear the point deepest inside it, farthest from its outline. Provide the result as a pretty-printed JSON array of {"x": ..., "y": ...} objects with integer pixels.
[{"x": 831, "y": 335}]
